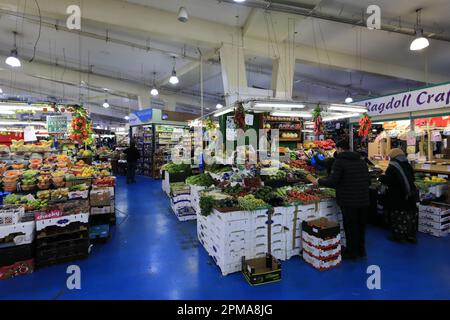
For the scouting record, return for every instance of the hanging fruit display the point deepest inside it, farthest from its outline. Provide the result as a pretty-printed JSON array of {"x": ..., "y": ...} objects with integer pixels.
[
  {"x": 365, "y": 125},
  {"x": 239, "y": 116},
  {"x": 317, "y": 119},
  {"x": 81, "y": 127}
]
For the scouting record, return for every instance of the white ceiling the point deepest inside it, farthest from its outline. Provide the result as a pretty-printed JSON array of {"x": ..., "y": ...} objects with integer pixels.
[{"x": 314, "y": 82}]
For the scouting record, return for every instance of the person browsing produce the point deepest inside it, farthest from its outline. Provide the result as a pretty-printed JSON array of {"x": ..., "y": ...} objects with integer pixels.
[
  {"x": 350, "y": 177},
  {"x": 401, "y": 197}
]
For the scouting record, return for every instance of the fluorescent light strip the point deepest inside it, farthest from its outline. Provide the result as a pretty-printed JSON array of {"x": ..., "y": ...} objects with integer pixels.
[
  {"x": 343, "y": 116},
  {"x": 348, "y": 109},
  {"x": 278, "y": 105},
  {"x": 222, "y": 112},
  {"x": 19, "y": 107},
  {"x": 23, "y": 123},
  {"x": 291, "y": 114}
]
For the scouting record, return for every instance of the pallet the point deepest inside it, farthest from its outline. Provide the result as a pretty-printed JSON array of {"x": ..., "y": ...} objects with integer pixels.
[
  {"x": 41, "y": 263},
  {"x": 10, "y": 255}
]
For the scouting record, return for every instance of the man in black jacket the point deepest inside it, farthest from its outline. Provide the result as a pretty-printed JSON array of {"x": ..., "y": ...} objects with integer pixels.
[
  {"x": 133, "y": 156},
  {"x": 350, "y": 177}
]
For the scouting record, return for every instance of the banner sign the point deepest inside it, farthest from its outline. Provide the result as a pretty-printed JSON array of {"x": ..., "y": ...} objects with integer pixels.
[
  {"x": 417, "y": 100},
  {"x": 141, "y": 117},
  {"x": 57, "y": 124}
]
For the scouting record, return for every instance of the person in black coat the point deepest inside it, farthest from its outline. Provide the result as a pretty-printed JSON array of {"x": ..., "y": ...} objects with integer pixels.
[
  {"x": 400, "y": 197},
  {"x": 133, "y": 156},
  {"x": 350, "y": 177}
]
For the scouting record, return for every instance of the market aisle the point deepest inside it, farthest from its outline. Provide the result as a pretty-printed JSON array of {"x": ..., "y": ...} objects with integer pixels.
[{"x": 153, "y": 256}]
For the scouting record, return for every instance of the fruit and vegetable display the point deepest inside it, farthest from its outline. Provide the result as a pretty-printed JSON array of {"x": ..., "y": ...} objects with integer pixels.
[
  {"x": 317, "y": 119},
  {"x": 203, "y": 179},
  {"x": 251, "y": 203},
  {"x": 239, "y": 116},
  {"x": 173, "y": 168}
]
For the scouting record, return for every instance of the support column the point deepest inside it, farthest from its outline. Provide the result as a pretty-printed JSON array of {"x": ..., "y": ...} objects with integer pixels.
[
  {"x": 144, "y": 100},
  {"x": 283, "y": 72},
  {"x": 234, "y": 77}
]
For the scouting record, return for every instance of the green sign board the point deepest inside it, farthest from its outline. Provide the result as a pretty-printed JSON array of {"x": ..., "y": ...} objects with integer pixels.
[{"x": 57, "y": 124}]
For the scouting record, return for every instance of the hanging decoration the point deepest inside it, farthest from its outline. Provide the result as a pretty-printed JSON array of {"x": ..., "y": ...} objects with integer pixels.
[
  {"x": 317, "y": 119},
  {"x": 239, "y": 116},
  {"x": 365, "y": 125},
  {"x": 81, "y": 126}
]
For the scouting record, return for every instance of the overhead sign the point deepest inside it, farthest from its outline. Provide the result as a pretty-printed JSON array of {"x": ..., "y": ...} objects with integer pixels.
[
  {"x": 417, "y": 100},
  {"x": 141, "y": 117},
  {"x": 57, "y": 124}
]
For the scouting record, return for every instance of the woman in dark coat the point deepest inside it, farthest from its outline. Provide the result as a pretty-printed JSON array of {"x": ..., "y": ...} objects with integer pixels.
[{"x": 400, "y": 197}]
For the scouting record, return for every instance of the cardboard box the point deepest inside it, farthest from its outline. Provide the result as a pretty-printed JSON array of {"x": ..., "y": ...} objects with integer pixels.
[
  {"x": 102, "y": 210},
  {"x": 321, "y": 228},
  {"x": 377, "y": 149},
  {"x": 100, "y": 197},
  {"x": 261, "y": 270}
]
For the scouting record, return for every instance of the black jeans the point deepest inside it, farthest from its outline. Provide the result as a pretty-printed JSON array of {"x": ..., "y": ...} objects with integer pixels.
[
  {"x": 354, "y": 226},
  {"x": 131, "y": 172}
]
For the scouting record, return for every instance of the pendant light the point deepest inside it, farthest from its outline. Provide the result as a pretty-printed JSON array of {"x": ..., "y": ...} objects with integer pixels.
[
  {"x": 174, "y": 79},
  {"x": 13, "y": 60},
  {"x": 154, "y": 92},
  {"x": 219, "y": 106},
  {"x": 106, "y": 104},
  {"x": 419, "y": 42}
]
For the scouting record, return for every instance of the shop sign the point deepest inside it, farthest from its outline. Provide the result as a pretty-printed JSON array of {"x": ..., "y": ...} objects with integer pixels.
[
  {"x": 417, "y": 100},
  {"x": 57, "y": 124},
  {"x": 141, "y": 117}
]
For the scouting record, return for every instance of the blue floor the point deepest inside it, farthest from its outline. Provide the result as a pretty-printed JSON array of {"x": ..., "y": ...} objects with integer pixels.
[{"x": 153, "y": 256}]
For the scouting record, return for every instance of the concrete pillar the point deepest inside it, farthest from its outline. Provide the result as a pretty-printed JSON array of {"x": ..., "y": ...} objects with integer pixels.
[
  {"x": 234, "y": 76},
  {"x": 144, "y": 100}
]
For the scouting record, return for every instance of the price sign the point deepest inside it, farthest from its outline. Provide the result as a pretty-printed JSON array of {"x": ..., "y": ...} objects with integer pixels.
[
  {"x": 57, "y": 124},
  {"x": 426, "y": 166}
]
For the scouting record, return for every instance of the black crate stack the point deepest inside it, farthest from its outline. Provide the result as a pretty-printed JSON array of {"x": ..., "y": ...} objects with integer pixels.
[
  {"x": 62, "y": 233},
  {"x": 321, "y": 241},
  {"x": 16, "y": 242},
  {"x": 102, "y": 200}
]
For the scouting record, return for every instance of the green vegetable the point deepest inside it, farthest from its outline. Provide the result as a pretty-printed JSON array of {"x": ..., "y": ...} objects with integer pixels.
[
  {"x": 202, "y": 179},
  {"x": 173, "y": 168},
  {"x": 250, "y": 203},
  {"x": 206, "y": 205}
]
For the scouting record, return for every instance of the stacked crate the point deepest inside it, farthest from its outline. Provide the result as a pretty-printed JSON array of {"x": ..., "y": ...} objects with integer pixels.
[
  {"x": 228, "y": 236},
  {"x": 16, "y": 242},
  {"x": 195, "y": 197},
  {"x": 180, "y": 202},
  {"x": 321, "y": 243},
  {"x": 102, "y": 212},
  {"x": 62, "y": 233},
  {"x": 434, "y": 219}
]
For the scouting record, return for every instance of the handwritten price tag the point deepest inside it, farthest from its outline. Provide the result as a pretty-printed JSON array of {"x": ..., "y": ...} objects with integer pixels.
[{"x": 426, "y": 167}]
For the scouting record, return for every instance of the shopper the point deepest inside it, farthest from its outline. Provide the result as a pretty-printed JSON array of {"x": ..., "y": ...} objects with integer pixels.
[
  {"x": 350, "y": 177},
  {"x": 133, "y": 156},
  {"x": 400, "y": 197}
]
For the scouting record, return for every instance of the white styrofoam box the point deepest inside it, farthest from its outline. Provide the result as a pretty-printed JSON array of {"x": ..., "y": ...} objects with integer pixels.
[
  {"x": 330, "y": 216},
  {"x": 318, "y": 242},
  {"x": 263, "y": 230},
  {"x": 444, "y": 210},
  {"x": 231, "y": 268},
  {"x": 322, "y": 254},
  {"x": 434, "y": 225},
  {"x": 433, "y": 217},
  {"x": 181, "y": 197},
  {"x": 434, "y": 232},
  {"x": 259, "y": 249},
  {"x": 11, "y": 215},
  {"x": 329, "y": 206},
  {"x": 24, "y": 233},
  {"x": 62, "y": 221},
  {"x": 320, "y": 264}
]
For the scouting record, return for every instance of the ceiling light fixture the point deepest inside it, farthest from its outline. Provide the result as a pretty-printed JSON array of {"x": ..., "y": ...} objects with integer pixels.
[
  {"x": 106, "y": 104},
  {"x": 219, "y": 106},
  {"x": 1, "y": 90},
  {"x": 419, "y": 42},
  {"x": 291, "y": 114},
  {"x": 279, "y": 105},
  {"x": 239, "y": 1},
  {"x": 13, "y": 60},
  {"x": 347, "y": 108},
  {"x": 154, "y": 92},
  {"x": 339, "y": 117},
  {"x": 222, "y": 112},
  {"x": 349, "y": 98},
  {"x": 183, "y": 15},
  {"x": 127, "y": 118},
  {"x": 174, "y": 79}
]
